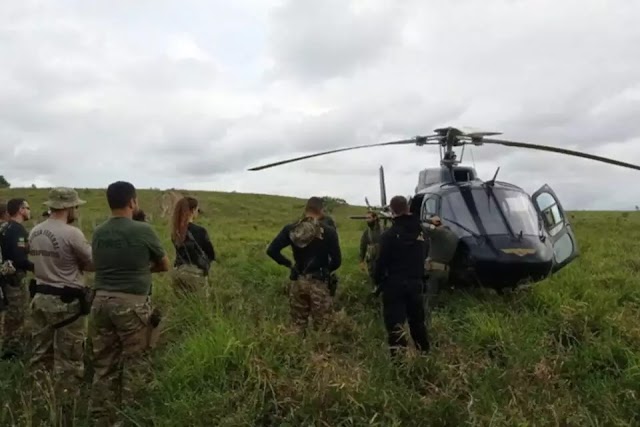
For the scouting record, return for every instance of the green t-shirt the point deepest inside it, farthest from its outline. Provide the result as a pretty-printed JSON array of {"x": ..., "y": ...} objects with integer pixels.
[{"x": 123, "y": 250}]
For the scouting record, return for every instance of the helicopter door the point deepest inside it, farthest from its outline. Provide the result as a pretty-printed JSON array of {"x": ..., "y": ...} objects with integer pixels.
[{"x": 559, "y": 229}]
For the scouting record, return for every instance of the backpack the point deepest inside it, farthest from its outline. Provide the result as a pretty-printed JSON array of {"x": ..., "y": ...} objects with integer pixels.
[
  {"x": 201, "y": 261},
  {"x": 305, "y": 231}
]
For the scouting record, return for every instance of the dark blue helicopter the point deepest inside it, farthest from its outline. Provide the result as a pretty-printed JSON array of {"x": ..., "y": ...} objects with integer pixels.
[{"x": 506, "y": 236}]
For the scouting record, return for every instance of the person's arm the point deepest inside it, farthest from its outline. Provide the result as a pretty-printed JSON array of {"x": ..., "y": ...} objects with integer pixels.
[
  {"x": 159, "y": 258},
  {"x": 382, "y": 261},
  {"x": 205, "y": 243},
  {"x": 335, "y": 254},
  {"x": 363, "y": 244},
  {"x": 280, "y": 242},
  {"x": 428, "y": 228},
  {"x": 82, "y": 250}
]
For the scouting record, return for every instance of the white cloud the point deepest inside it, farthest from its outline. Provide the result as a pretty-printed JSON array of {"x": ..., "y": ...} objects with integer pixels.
[{"x": 191, "y": 94}]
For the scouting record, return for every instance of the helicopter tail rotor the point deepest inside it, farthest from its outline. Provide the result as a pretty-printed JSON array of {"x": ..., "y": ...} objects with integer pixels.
[{"x": 383, "y": 211}]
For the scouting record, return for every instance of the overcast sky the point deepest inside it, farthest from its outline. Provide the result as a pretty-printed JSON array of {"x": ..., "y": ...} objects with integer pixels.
[{"x": 196, "y": 92}]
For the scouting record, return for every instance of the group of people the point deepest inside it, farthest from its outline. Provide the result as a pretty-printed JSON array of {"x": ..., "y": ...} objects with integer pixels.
[
  {"x": 124, "y": 253},
  {"x": 404, "y": 262}
]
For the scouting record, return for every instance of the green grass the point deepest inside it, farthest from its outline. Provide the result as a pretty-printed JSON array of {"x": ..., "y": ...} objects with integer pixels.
[{"x": 565, "y": 352}]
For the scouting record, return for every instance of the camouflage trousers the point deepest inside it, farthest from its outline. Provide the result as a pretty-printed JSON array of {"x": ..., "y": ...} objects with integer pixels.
[
  {"x": 119, "y": 332},
  {"x": 188, "y": 279},
  {"x": 57, "y": 354},
  {"x": 309, "y": 298},
  {"x": 12, "y": 320},
  {"x": 435, "y": 283}
]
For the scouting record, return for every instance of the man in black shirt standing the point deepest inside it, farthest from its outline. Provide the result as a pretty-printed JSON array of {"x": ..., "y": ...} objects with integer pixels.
[
  {"x": 316, "y": 253},
  {"x": 15, "y": 264},
  {"x": 399, "y": 274}
]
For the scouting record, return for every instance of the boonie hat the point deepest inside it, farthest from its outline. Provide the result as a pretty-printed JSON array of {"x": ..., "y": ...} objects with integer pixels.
[{"x": 63, "y": 198}]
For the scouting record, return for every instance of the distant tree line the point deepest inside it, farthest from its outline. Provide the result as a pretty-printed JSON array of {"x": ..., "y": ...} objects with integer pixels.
[{"x": 330, "y": 203}]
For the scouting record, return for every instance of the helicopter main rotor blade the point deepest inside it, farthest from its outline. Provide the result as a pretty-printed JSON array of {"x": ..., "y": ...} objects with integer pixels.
[
  {"x": 282, "y": 162},
  {"x": 559, "y": 150}
]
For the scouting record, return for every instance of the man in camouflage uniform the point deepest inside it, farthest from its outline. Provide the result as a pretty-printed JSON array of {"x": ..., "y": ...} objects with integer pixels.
[
  {"x": 442, "y": 247},
  {"x": 13, "y": 271},
  {"x": 369, "y": 245},
  {"x": 125, "y": 253},
  {"x": 316, "y": 251},
  {"x": 60, "y": 254}
]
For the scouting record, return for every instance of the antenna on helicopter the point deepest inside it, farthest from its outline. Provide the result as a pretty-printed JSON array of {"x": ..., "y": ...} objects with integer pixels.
[{"x": 493, "y": 180}]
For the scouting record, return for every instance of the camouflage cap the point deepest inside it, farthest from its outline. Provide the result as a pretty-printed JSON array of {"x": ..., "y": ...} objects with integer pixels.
[
  {"x": 63, "y": 198},
  {"x": 304, "y": 232}
]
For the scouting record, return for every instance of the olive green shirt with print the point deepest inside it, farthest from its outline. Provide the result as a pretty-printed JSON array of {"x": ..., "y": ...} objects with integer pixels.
[
  {"x": 443, "y": 242},
  {"x": 123, "y": 250}
]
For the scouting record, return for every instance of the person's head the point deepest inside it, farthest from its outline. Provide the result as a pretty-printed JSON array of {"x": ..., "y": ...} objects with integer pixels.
[
  {"x": 399, "y": 206},
  {"x": 372, "y": 218},
  {"x": 63, "y": 203},
  {"x": 314, "y": 208},
  {"x": 122, "y": 199},
  {"x": 4, "y": 215},
  {"x": 19, "y": 210},
  {"x": 185, "y": 211}
]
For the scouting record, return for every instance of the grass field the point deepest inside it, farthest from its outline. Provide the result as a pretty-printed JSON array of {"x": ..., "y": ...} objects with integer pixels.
[{"x": 565, "y": 352}]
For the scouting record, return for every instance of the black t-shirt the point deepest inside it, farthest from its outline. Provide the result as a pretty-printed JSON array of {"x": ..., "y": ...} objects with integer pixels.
[
  {"x": 14, "y": 243},
  {"x": 319, "y": 254},
  {"x": 187, "y": 253},
  {"x": 403, "y": 250}
]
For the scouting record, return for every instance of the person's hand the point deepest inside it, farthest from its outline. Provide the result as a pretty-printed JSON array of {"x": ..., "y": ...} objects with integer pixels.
[
  {"x": 362, "y": 266},
  {"x": 293, "y": 274}
]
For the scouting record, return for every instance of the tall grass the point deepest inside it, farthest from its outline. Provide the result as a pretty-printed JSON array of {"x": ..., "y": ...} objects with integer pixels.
[{"x": 564, "y": 352}]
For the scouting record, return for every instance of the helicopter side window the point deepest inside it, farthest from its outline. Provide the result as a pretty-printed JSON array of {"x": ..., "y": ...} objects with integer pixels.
[
  {"x": 551, "y": 214},
  {"x": 430, "y": 207}
]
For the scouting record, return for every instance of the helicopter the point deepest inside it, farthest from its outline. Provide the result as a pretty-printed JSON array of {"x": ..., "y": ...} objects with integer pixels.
[{"x": 506, "y": 237}]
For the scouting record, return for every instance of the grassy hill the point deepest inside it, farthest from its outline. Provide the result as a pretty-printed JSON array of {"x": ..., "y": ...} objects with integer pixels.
[{"x": 566, "y": 352}]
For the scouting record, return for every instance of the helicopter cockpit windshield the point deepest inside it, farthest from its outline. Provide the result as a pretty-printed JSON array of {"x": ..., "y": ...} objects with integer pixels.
[{"x": 515, "y": 205}]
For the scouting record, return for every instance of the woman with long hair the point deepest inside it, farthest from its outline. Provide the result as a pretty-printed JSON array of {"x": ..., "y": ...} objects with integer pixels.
[{"x": 194, "y": 250}]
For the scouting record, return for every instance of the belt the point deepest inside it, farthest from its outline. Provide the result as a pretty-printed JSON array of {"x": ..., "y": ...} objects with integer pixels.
[
  {"x": 436, "y": 266},
  {"x": 70, "y": 292},
  {"x": 67, "y": 294},
  {"x": 317, "y": 276}
]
